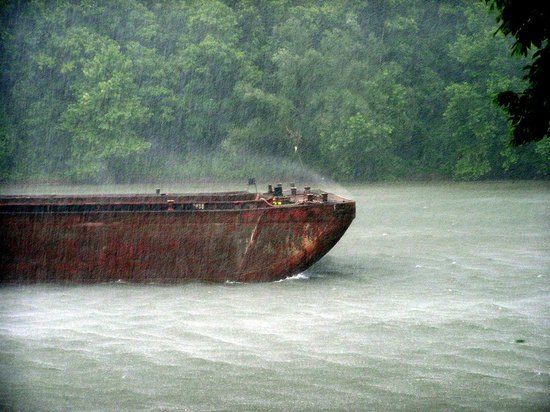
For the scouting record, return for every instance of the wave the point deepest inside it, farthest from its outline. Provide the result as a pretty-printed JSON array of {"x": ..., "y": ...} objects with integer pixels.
[{"x": 299, "y": 276}]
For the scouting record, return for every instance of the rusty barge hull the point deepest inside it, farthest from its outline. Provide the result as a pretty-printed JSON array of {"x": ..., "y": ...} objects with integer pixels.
[{"x": 219, "y": 237}]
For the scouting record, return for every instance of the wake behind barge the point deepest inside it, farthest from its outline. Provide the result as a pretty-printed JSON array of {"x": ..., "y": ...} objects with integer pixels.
[{"x": 214, "y": 237}]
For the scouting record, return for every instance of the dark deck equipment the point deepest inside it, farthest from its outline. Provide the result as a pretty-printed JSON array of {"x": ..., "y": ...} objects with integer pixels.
[{"x": 231, "y": 236}]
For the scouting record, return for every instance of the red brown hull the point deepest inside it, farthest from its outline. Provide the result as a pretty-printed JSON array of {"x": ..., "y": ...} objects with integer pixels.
[{"x": 169, "y": 241}]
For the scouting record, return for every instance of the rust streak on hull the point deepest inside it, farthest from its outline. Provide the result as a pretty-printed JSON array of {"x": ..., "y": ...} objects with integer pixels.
[{"x": 165, "y": 239}]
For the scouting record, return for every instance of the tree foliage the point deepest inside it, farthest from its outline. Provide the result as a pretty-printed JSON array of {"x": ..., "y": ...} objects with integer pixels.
[
  {"x": 374, "y": 90},
  {"x": 529, "y": 23}
]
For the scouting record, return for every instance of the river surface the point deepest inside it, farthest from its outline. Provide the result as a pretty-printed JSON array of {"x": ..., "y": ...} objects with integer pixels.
[{"x": 437, "y": 298}]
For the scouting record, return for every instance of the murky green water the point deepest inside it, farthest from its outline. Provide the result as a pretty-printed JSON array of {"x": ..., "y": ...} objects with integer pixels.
[{"x": 437, "y": 298}]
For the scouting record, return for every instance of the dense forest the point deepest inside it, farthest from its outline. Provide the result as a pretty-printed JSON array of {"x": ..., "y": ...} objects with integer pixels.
[{"x": 137, "y": 90}]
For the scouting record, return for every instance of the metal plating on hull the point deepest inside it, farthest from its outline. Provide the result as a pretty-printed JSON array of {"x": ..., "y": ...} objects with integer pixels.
[{"x": 233, "y": 236}]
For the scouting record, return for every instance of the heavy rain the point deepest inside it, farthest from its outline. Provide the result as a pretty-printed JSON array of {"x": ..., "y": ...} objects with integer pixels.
[{"x": 274, "y": 205}]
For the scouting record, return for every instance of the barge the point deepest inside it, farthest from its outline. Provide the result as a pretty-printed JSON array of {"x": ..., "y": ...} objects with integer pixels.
[{"x": 213, "y": 237}]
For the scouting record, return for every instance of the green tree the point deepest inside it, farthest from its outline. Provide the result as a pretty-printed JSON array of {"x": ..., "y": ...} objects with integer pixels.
[
  {"x": 103, "y": 120},
  {"x": 478, "y": 132},
  {"x": 95, "y": 90},
  {"x": 362, "y": 148},
  {"x": 529, "y": 110}
]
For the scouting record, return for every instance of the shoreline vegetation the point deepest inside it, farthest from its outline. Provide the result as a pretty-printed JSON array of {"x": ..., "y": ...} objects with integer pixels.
[{"x": 141, "y": 91}]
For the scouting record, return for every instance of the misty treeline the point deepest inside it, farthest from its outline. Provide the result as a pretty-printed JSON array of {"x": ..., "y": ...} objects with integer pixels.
[{"x": 358, "y": 90}]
